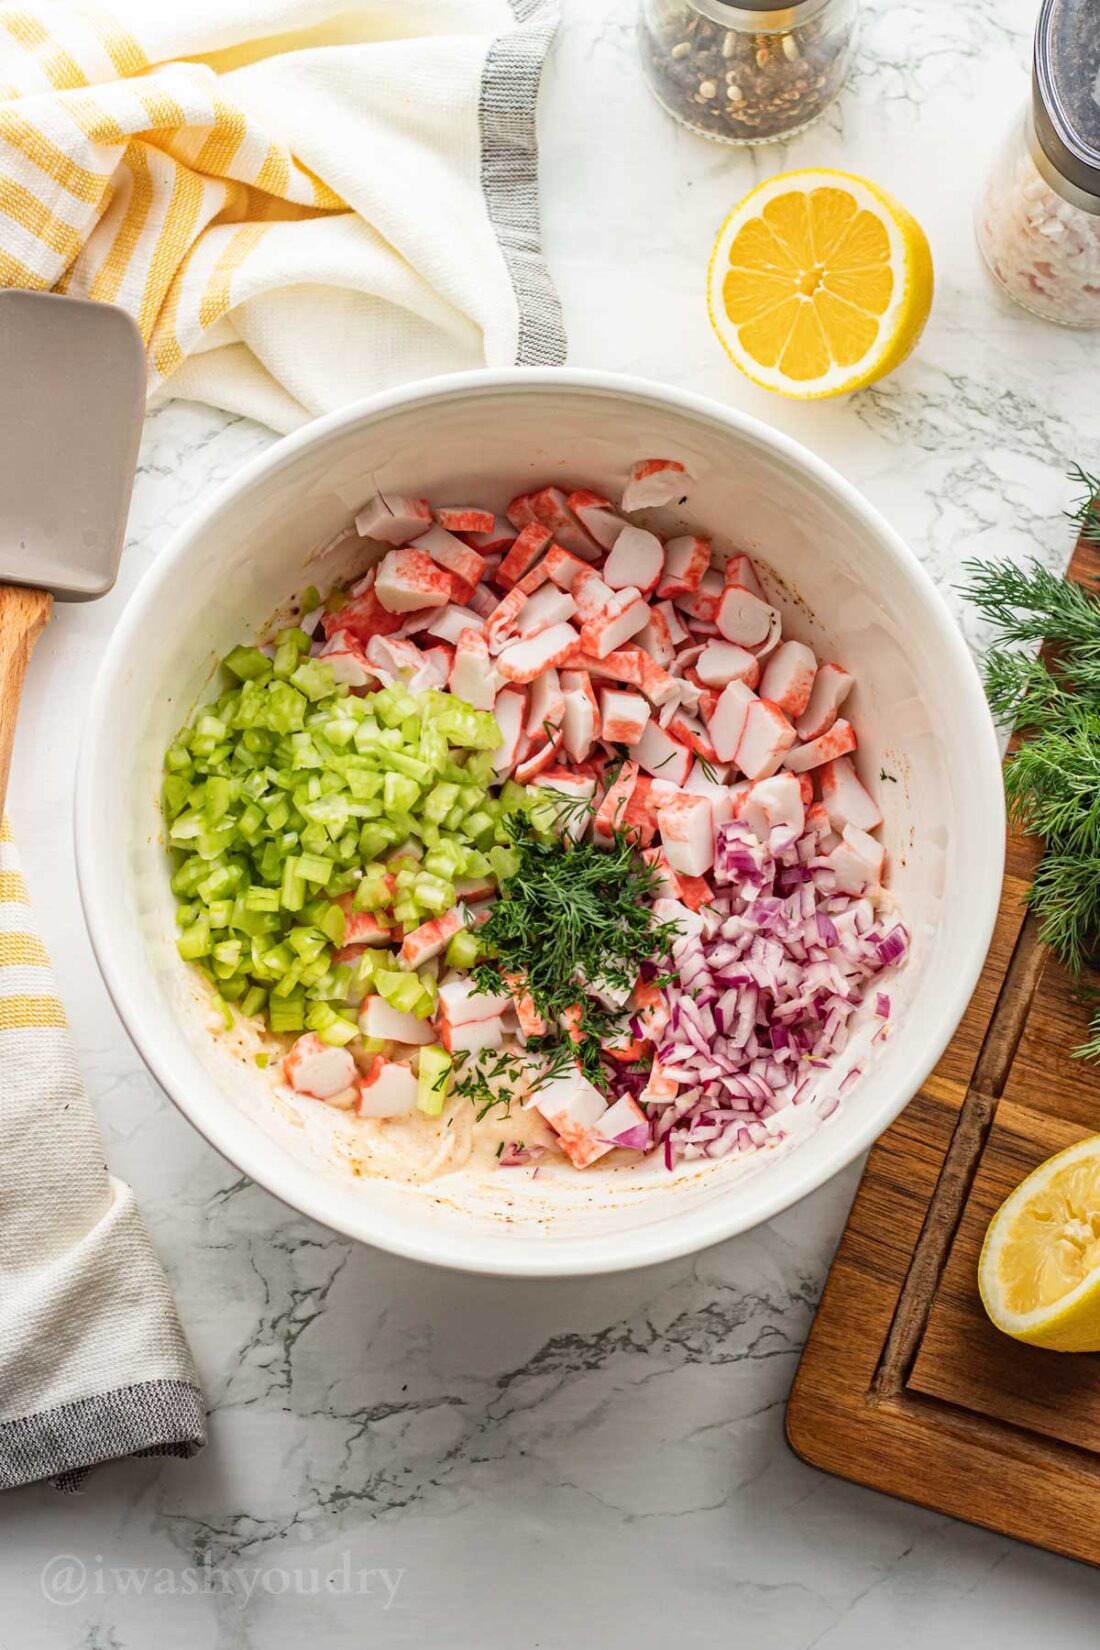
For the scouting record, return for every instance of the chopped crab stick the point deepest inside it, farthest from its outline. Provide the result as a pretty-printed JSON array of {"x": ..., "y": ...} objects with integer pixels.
[
  {"x": 676, "y": 628},
  {"x": 656, "y": 639},
  {"x": 451, "y": 554},
  {"x": 686, "y": 560},
  {"x": 858, "y": 861},
  {"x": 474, "y": 676},
  {"x": 774, "y": 802},
  {"x": 598, "y": 516},
  {"x": 408, "y": 579},
  {"x": 464, "y": 518},
  {"x": 497, "y": 538},
  {"x": 378, "y": 1018},
  {"x": 744, "y": 618},
  {"x": 661, "y": 755},
  {"x": 551, "y": 507},
  {"x": 362, "y": 927},
  {"x": 789, "y": 678},
  {"x": 546, "y": 607},
  {"x": 740, "y": 570},
  {"x": 686, "y": 823},
  {"x": 531, "y": 1022},
  {"x": 765, "y": 739},
  {"x": 846, "y": 801},
  {"x": 581, "y": 716},
  {"x": 624, "y": 1125},
  {"x": 483, "y": 601},
  {"x": 653, "y": 482},
  {"x": 590, "y": 593},
  {"x": 525, "y": 551},
  {"x": 472, "y": 1036},
  {"x": 449, "y": 623},
  {"x": 388, "y": 1090},
  {"x": 662, "y": 1085},
  {"x": 728, "y": 722},
  {"x": 640, "y": 815},
  {"x": 545, "y": 707},
  {"x": 621, "y": 619},
  {"x": 831, "y": 687},
  {"x": 715, "y": 790},
  {"x": 701, "y": 604},
  {"x": 666, "y": 884},
  {"x": 839, "y": 740},
  {"x": 315, "y": 1068},
  {"x": 363, "y": 617},
  {"x": 637, "y": 559},
  {"x": 563, "y": 568},
  {"x": 461, "y": 1002},
  {"x": 573, "y": 1107},
  {"x": 690, "y": 732},
  {"x": 623, "y": 716},
  {"x": 509, "y": 712},
  {"x": 347, "y": 660},
  {"x": 395, "y": 519},
  {"x": 610, "y": 815},
  {"x": 523, "y": 661},
  {"x": 720, "y": 663},
  {"x": 431, "y": 938}
]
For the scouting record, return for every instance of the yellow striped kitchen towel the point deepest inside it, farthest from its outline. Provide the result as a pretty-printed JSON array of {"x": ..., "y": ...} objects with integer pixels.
[
  {"x": 300, "y": 201},
  {"x": 93, "y": 1362}
]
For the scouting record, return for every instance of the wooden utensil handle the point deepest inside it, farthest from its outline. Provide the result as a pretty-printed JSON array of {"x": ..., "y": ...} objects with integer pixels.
[{"x": 23, "y": 616}]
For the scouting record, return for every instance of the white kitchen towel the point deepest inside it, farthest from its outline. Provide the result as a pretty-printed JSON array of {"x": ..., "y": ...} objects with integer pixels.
[
  {"x": 93, "y": 1362},
  {"x": 301, "y": 201}
]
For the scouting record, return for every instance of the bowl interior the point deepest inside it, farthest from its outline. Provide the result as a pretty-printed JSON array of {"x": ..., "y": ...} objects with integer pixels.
[{"x": 845, "y": 584}]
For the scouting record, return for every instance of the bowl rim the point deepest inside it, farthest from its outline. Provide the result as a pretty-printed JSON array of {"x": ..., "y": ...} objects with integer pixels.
[{"x": 300, "y": 1187}]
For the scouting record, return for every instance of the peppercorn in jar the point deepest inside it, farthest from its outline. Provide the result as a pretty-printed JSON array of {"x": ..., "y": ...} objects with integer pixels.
[{"x": 749, "y": 72}]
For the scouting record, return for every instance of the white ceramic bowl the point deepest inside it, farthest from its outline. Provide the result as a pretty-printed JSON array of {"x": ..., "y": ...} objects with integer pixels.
[{"x": 847, "y": 584}]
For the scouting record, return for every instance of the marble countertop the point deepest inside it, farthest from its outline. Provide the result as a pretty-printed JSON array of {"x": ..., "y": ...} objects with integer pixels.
[{"x": 405, "y": 1456}]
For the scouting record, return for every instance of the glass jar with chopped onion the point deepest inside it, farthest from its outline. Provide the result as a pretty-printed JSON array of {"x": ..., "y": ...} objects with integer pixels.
[
  {"x": 750, "y": 72},
  {"x": 1038, "y": 214}
]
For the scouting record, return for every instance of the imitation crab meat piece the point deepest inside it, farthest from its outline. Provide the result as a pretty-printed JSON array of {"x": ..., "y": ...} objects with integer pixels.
[
  {"x": 701, "y": 604},
  {"x": 452, "y": 555},
  {"x": 661, "y": 755},
  {"x": 432, "y": 938},
  {"x": 362, "y": 927},
  {"x": 378, "y": 1018},
  {"x": 545, "y": 707},
  {"x": 637, "y": 560},
  {"x": 621, "y": 619},
  {"x": 546, "y": 607},
  {"x": 573, "y": 793},
  {"x": 666, "y": 884},
  {"x": 523, "y": 661},
  {"x": 728, "y": 722},
  {"x": 676, "y": 628},
  {"x": 691, "y": 732},
  {"x": 765, "y": 739},
  {"x": 831, "y": 687},
  {"x": 686, "y": 560},
  {"x": 839, "y": 740},
  {"x": 482, "y": 602},
  {"x": 744, "y": 618},
  {"x": 493, "y": 542},
  {"x": 347, "y": 660},
  {"x": 623, "y": 716},
  {"x": 656, "y": 639},
  {"x": 408, "y": 579},
  {"x": 625, "y": 1125},
  {"x": 720, "y": 663},
  {"x": 845, "y": 799},
  {"x": 363, "y": 616},
  {"x": 573, "y": 1107},
  {"x": 598, "y": 515},
  {"x": 591, "y": 595},
  {"x": 474, "y": 676},
  {"x": 789, "y": 678},
  {"x": 717, "y": 792},
  {"x": 740, "y": 570},
  {"x": 563, "y": 568},
  {"x": 509, "y": 711},
  {"x": 858, "y": 861},
  {"x": 551, "y": 508},
  {"x": 653, "y": 482},
  {"x": 774, "y": 802},
  {"x": 531, "y": 1022},
  {"x": 393, "y": 518},
  {"x": 449, "y": 623},
  {"x": 473, "y": 1036},
  {"x": 388, "y": 1090},
  {"x": 461, "y": 1002},
  {"x": 662, "y": 1085},
  {"x": 582, "y": 712},
  {"x": 314, "y": 1068},
  {"x": 686, "y": 824},
  {"x": 690, "y": 924},
  {"x": 523, "y": 554},
  {"x": 610, "y": 815},
  {"x": 466, "y": 518}
]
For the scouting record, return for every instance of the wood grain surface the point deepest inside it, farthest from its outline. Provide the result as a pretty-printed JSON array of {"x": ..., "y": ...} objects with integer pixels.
[
  {"x": 904, "y": 1385},
  {"x": 23, "y": 615}
]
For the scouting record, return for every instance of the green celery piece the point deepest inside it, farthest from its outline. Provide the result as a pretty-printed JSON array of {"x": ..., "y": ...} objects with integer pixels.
[
  {"x": 433, "y": 1079},
  {"x": 247, "y": 664}
]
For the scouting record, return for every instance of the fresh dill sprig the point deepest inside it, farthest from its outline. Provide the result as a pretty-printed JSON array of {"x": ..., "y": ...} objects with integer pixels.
[{"x": 1086, "y": 512}]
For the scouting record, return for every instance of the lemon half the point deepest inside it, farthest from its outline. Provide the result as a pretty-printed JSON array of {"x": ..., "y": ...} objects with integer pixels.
[
  {"x": 1039, "y": 1273},
  {"x": 819, "y": 283}
]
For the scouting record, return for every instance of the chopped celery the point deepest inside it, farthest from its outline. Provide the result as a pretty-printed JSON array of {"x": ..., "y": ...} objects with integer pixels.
[
  {"x": 401, "y": 991},
  {"x": 463, "y": 949},
  {"x": 433, "y": 1080},
  {"x": 247, "y": 663}
]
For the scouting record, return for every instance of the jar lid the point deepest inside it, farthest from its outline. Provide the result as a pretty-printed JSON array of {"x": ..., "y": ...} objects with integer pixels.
[
  {"x": 766, "y": 16},
  {"x": 1065, "y": 90}
]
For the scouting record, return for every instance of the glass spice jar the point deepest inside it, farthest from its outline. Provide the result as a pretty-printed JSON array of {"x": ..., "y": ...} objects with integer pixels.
[
  {"x": 1038, "y": 214},
  {"x": 750, "y": 72}
]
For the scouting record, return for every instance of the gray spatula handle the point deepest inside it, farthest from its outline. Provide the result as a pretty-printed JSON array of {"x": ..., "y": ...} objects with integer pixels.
[{"x": 23, "y": 616}]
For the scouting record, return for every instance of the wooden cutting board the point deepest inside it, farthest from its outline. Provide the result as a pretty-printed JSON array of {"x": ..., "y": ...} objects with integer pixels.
[{"x": 904, "y": 1385}]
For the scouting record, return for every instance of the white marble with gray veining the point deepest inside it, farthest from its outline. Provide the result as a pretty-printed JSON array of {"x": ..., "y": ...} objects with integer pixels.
[{"x": 401, "y": 1456}]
